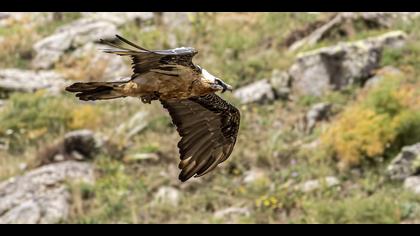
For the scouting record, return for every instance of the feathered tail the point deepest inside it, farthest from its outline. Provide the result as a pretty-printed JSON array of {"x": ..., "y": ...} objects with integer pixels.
[{"x": 96, "y": 90}]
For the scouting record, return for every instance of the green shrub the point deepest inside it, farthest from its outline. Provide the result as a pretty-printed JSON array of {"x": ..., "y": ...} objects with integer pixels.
[
  {"x": 376, "y": 209},
  {"x": 383, "y": 118},
  {"x": 29, "y": 118}
]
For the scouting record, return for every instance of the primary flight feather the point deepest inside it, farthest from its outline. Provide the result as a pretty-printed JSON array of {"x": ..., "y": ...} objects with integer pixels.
[{"x": 207, "y": 124}]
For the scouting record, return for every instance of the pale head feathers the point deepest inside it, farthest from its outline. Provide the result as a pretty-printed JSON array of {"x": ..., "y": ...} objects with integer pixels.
[{"x": 215, "y": 83}]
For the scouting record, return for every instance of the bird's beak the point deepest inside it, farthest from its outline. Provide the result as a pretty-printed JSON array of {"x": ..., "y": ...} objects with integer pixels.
[{"x": 227, "y": 87}]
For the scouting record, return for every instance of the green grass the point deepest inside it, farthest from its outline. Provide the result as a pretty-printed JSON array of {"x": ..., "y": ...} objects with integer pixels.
[
  {"x": 240, "y": 48},
  {"x": 16, "y": 48},
  {"x": 383, "y": 207}
]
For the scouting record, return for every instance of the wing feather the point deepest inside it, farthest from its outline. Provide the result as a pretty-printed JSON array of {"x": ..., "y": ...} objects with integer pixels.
[
  {"x": 208, "y": 127},
  {"x": 168, "y": 62}
]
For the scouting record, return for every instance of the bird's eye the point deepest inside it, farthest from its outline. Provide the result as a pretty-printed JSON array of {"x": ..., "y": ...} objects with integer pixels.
[{"x": 219, "y": 82}]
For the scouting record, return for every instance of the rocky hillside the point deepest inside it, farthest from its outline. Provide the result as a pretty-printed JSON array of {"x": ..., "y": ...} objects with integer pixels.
[{"x": 330, "y": 130}]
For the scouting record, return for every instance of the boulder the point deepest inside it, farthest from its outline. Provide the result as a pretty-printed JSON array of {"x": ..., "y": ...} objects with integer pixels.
[
  {"x": 76, "y": 145},
  {"x": 41, "y": 195},
  {"x": 406, "y": 163},
  {"x": 133, "y": 126},
  {"x": 85, "y": 142},
  {"x": 167, "y": 196},
  {"x": 313, "y": 185},
  {"x": 381, "y": 74},
  {"x": 113, "y": 67},
  {"x": 232, "y": 212},
  {"x": 412, "y": 184},
  {"x": 16, "y": 80},
  {"x": 153, "y": 157},
  {"x": 87, "y": 30},
  {"x": 318, "y": 112},
  {"x": 281, "y": 83},
  {"x": 76, "y": 34},
  {"x": 257, "y": 92},
  {"x": 255, "y": 176},
  {"x": 345, "y": 23},
  {"x": 336, "y": 67}
]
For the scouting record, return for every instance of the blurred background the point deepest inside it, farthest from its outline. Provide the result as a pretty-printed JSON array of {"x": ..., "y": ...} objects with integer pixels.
[{"x": 330, "y": 129}]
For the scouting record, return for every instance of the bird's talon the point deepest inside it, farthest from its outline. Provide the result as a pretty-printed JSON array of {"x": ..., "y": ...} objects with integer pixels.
[{"x": 149, "y": 98}]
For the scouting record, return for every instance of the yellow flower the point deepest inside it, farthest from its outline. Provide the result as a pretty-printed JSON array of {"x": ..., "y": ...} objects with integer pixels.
[{"x": 273, "y": 200}]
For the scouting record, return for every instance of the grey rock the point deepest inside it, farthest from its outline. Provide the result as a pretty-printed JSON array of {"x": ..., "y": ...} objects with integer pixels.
[
  {"x": 133, "y": 126},
  {"x": 412, "y": 184},
  {"x": 26, "y": 213},
  {"x": 317, "y": 34},
  {"x": 40, "y": 196},
  {"x": 231, "y": 212},
  {"x": 49, "y": 50},
  {"x": 23, "y": 166},
  {"x": 373, "y": 81},
  {"x": 78, "y": 145},
  {"x": 336, "y": 67},
  {"x": 257, "y": 92},
  {"x": 113, "y": 67},
  {"x": 167, "y": 196},
  {"x": 254, "y": 176},
  {"x": 313, "y": 185},
  {"x": 16, "y": 80},
  {"x": 281, "y": 83},
  {"x": 343, "y": 19},
  {"x": 406, "y": 163},
  {"x": 142, "y": 157},
  {"x": 85, "y": 142},
  {"x": 76, "y": 34},
  {"x": 87, "y": 30},
  {"x": 318, "y": 112},
  {"x": 381, "y": 75}
]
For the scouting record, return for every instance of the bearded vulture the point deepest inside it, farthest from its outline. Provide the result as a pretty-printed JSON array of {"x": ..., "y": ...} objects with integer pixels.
[{"x": 207, "y": 124}]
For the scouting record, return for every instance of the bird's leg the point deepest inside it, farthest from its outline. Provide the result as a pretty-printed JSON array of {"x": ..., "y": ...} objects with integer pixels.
[{"x": 150, "y": 97}]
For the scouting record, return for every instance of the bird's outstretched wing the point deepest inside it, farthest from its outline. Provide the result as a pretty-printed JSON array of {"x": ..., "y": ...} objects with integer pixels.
[
  {"x": 208, "y": 126},
  {"x": 168, "y": 62}
]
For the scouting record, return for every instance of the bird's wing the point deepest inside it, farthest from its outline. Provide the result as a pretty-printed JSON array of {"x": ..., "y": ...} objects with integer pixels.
[
  {"x": 208, "y": 127},
  {"x": 168, "y": 62}
]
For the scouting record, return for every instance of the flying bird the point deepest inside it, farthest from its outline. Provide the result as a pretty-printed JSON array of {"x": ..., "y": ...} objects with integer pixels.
[{"x": 207, "y": 124}]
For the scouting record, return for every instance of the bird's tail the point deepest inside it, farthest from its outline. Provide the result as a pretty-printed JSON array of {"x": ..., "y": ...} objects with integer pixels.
[{"x": 96, "y": 90}]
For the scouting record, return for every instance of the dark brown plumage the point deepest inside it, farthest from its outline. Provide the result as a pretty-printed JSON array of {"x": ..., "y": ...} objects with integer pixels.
[
  {"x": 159, "y": 61},
  {"x": 207, "y": 124}
]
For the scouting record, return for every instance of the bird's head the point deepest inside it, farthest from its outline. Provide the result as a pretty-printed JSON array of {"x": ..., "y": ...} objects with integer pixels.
[{"x": 215, "y": 83}]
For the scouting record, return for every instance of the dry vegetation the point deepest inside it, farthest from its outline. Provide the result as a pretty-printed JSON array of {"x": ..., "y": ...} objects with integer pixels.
[{"x": 240, "y": 48}]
